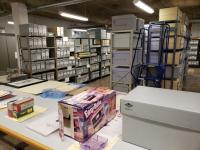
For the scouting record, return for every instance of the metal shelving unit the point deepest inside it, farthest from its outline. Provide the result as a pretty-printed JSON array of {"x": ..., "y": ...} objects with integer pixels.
[
  {"x": 194, "y": 53},
  {"x": 71, "y": 57},
  {"x": 123, "y": 47},
  {"x": 35, "y": 56}
]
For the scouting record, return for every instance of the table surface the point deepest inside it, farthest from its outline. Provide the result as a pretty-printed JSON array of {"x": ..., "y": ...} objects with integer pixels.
[{"x": 53, "y": 141}]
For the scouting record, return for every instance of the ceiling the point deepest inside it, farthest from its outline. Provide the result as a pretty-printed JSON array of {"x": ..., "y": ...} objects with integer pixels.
[{"x": 100, "y": 12}]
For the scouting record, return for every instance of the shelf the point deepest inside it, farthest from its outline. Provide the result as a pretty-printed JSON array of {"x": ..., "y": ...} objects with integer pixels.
[
  {"x": 82, "y": 65},
  {"x": 36, "y": 48},
  {"x": 53, "y": 48},
  {"x": 94, "y": 63},
  {"x": 33, "y": 36},
  {"x": 83, "y": 74},
  {"x": 94, "y": 70},
  {"x": 43, "y": 71},
  {"x": 63, "y": 57},
  {"x": 40, "y": 60},
  {"x": 105, "y": 75},
  {"x": 61, "y": 68}
]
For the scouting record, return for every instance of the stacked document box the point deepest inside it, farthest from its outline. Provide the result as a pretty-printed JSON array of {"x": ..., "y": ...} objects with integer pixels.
[
  {"x": 124, "y": 50},
  {"x": 194, "y": 53},
  {"x": 178, "y": 45},
  {"x": 82, "y": 78}
]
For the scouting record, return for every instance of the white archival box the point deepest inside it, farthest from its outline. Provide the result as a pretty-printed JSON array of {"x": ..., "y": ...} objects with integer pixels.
[{"x": 161, "y": 119}]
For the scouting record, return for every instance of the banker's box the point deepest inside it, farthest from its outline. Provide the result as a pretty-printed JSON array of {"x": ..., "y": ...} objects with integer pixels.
[
  {"x": 161, "y": 119},
  {"x": 86, "y": 113},
  {"x": 124, "y": 22},
  {"x": 172, "y": 13},
  {"x": 179, "y": 43}
]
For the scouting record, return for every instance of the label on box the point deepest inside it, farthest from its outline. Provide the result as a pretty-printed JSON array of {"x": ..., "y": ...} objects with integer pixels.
[
  {"x": 69, "y": 67},
  {"x": 66, "y": 79}
]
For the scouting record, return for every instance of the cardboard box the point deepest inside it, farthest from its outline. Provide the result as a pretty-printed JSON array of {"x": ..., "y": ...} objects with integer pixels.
[
  {"x": 177, "y": 60},
  {"x": 179, "y": 43},
  {"x": 97, "y": 33},
  {"x": 181, "y": 28},
  {"x": 161, "y": 119},
  {"x": 124, "y": 22},
  {"x": 20, "y": 108},
  {"x": 140, "y": 24},
  {"x": 172, "y": 13},
  {"x": 26, "y": 29},
  {"x": 84, "y": 114},
  {"x": 176, "y": 84}
]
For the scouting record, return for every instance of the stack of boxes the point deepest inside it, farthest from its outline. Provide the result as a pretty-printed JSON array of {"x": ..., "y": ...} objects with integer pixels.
[
  {"x": 194, "y": 53},
  {"x": 100, "y": 51},
  {"x": 176, "y": 61},
  {"x": 125, "y": 29},
  {"x": 68, "y": 49},
  {"x": 36, "y": 56}
]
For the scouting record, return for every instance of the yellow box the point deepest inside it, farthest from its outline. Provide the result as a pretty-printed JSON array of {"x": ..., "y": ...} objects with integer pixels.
[
  {"x": 179, "y": 43},
  {"x": 181, "y": 28},
  {"x": 172, "y": 13},
  {"x": 178, "y": 58},
  {"x": 176, "y": 84}
]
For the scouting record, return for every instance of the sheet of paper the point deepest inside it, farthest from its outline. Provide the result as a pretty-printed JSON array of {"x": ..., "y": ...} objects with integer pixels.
[
  {"x": 25, "y": 82},
  {"x": 3, "y": 104},
  {"x": 37, "y": 110},
  {"x": 45, "y": 125},
  {"x": 40, "y": 87},
  {"x": 67, "y": 87}
]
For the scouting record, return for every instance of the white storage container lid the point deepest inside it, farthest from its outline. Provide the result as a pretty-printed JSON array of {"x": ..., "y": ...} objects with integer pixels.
[{"x": 176, "y": 108}]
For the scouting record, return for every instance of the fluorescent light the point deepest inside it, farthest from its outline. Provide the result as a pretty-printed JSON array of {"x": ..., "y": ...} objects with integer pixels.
[
  {"x": 80, "y": 30},
  {"x": 143, "y": 6},
  {"x": 11, "y": 22},
  {"x": 72, "y": 16}
]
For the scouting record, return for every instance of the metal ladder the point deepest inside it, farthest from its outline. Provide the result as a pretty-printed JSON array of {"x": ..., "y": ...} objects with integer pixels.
[{"x": 151, "y": 73}]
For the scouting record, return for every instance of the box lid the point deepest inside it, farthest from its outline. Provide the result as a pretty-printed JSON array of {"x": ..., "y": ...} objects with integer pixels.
[{"x": 171, "y": 107}]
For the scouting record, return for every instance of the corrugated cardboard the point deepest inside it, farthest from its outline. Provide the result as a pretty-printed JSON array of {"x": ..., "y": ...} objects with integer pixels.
[
  {"x": 172, "y": 13},
  {"x": 181, "y": 28},
  {"x": 176, "y": 84},
  {"x": 179, "y": 43},
  {"x": 124, "y": 22},
  {"x": 178, "y": 58}
]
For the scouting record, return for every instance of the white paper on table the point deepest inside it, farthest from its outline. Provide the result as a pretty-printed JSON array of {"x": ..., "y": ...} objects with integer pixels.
[
  {"x": 45, "y": 125},
  {"x": 112, "y": 129}
]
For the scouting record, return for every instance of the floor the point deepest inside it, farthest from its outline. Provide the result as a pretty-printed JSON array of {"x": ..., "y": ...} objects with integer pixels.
[{"x": 192, "y": 84}]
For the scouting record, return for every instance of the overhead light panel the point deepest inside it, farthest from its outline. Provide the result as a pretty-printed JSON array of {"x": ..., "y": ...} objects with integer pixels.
[
  {"x": 143, "y": 6},
  {"x": 72, "y": 16},
  {"x": 11, "y": 22},
  {"x": 80, "y": 30}
]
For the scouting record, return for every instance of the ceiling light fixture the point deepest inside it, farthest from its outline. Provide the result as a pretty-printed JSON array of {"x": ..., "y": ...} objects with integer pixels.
[
  {"x": 72, "y": 16},
  {"x": 80, "y": 30},
  {"x": 11, "y": 22},
  {"x": 143, "y": 6}
]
